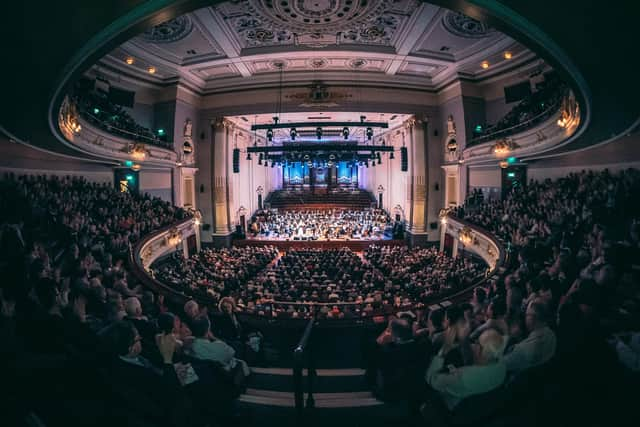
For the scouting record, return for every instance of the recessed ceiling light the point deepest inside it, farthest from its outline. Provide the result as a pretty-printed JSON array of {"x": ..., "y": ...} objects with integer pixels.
[
  {"x": 151, "y": 70},
  {"x": 484, "y": 64},
  {"x": 129, "y": 60},
  {"x": 508, "y": 55}
]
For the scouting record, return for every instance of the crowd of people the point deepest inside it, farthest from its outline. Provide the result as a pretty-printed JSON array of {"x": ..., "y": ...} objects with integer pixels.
[
  {"x": 81, "y": 339},
  {"x": 95, "y": 107},
  {"x": 561, "y": 321},
  {"x": 530, "y": 110},
  {"x": 331, "y": 283},
  {"x": 215, "y": 273},
  {"x": 366, "y": 224}
]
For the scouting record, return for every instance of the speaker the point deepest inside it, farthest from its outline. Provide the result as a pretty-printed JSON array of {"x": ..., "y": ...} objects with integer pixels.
[
  {"x": 404, "y": 160},
  {"x": 236, "y": 160}
]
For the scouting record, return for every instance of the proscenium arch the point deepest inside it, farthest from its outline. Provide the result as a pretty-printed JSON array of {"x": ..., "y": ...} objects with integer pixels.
[{"x": 154, "y": 12}]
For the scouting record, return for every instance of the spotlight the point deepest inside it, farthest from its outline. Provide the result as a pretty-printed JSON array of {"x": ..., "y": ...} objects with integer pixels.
[
  {"x": 270, "y": 134},
  {"x": 266, "y": 163},
  {"x": 369, "y": 133},
  {"x": 484, "y": 64},
  {"x": 319, "y": 133},
  {"x": 260, "y": 159},
  {"x": 129, "y": 60},
  {"x": 345, "y": 132},
  {"x": 248, "y": 156},
  {"x": 151, "y": 70},
  {"x": 391, "y": 156},
  {"x": 273, "y": 163},
  {"x": 379, "y": 159},
  {"x": 293, "y": 133},
  {"x": 373, "y": 163}
]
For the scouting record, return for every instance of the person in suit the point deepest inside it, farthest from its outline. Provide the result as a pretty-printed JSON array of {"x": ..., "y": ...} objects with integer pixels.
[{"x": 148, "y": 392}]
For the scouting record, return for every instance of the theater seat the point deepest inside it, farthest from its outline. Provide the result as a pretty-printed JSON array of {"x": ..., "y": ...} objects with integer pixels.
[{"x": 479, "y": 409}]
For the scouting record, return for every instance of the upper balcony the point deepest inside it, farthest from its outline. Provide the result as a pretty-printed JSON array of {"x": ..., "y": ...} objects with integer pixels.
[
  {"x": 91, "y": 135},
  {"x": 547, "y": 130}
]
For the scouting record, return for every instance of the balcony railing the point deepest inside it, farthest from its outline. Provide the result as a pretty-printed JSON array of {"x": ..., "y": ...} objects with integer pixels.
[
  {"x": 520, "y": 127},
  {"x": 138, "y": 137}
]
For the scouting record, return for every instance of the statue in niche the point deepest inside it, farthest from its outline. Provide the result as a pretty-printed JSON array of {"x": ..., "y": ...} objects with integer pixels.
[
  {"x": 187, "y": 128},
  {"x": 451, "y": 126}
]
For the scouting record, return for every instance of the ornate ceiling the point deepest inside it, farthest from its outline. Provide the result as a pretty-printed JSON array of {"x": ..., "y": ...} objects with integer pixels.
[{"x": 243, "y": 43}]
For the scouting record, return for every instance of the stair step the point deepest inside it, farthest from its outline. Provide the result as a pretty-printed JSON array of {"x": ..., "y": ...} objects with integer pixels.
[
  {"x": 351, "y": 372},
  {"x": 323, "y": 383},
  {"x": 322, "y": 400}
]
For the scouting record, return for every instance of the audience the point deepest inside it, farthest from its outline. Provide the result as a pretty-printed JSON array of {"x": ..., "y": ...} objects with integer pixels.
[
  {"x": 68, "y": 299},
  {"x": 95, "y": 107}
]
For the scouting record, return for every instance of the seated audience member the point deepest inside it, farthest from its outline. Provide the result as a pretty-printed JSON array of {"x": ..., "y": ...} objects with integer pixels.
[
  {"x": 497, "y": 320},
  {"x": 207, "y": 347},
  {"x": 487, "y": 372},
  {"x": 152, "y": 392},
  {"x": 538, "y": 347},
  {"x": 456, "y": 350},
  {"x": 133, "y": 308},
  {"x": 627, "y": 347},
  {"x": 400, "y": 361}
]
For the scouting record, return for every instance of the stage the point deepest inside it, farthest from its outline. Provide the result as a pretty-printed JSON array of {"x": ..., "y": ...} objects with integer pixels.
[{"x": 354, "y": 245}]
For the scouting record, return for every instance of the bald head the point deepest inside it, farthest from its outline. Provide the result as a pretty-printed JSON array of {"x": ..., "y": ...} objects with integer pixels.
[{"x": 492, "y": 344}]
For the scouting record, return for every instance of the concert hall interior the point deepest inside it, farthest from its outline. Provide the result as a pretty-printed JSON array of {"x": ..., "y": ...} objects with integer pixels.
[{"x": 319, "y": 212}]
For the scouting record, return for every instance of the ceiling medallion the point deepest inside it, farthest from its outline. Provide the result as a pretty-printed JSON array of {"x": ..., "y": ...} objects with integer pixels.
[
  {"x": 317, "y": 63},
  {"x": 169, "y": 31},
  {"x": 461, "y": 25},
  {"x": 357, "y": 63},
  {"x": 316, "y": 22},
  {"x": 278, "y": 64}
]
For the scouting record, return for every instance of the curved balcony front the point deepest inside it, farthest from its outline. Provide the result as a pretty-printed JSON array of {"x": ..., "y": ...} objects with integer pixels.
[{"x": 85, "y": 137}]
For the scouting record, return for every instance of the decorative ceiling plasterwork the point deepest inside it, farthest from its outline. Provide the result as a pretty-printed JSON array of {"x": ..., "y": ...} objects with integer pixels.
[
  {"x": 316, "y": 23},
  {"x": 319, "y": 96},
  {"x": 461, "y": 25},
  {"x": 169, "y": 31}
]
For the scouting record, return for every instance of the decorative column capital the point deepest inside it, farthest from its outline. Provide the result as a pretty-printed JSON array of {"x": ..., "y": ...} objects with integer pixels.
[{"x": 409, "y": 123}]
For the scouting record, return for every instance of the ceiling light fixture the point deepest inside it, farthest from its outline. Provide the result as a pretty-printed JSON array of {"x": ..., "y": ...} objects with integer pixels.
[
  {"x": 369, "y": 133},
  {"x": 484, "y": 64},
  {"x": 151, "y": 70},
  {"x": 129, "y": 60},
  {"x": 293, "y": 133},
  {"x": 508, "y": 55},
  {"x": 345, "y": 132}
]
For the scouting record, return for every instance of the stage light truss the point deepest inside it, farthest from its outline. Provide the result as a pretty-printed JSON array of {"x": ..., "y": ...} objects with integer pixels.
[
  {"x": 315, "y": 125},
  {"x": 319, "y": 148}
]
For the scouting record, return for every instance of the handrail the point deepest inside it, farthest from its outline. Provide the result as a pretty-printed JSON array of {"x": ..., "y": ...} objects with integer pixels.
[
  {"x": 302, "y": 350},
  {"x": 520, "y": 126},
  {"x": 138, "y": 270}
]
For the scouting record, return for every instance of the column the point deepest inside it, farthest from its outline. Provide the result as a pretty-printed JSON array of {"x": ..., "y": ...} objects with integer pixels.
[
  {"x": 414, "y": 136},
  {"x": 220, "y": 174},
  {"x": 204, "y": 185}
]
